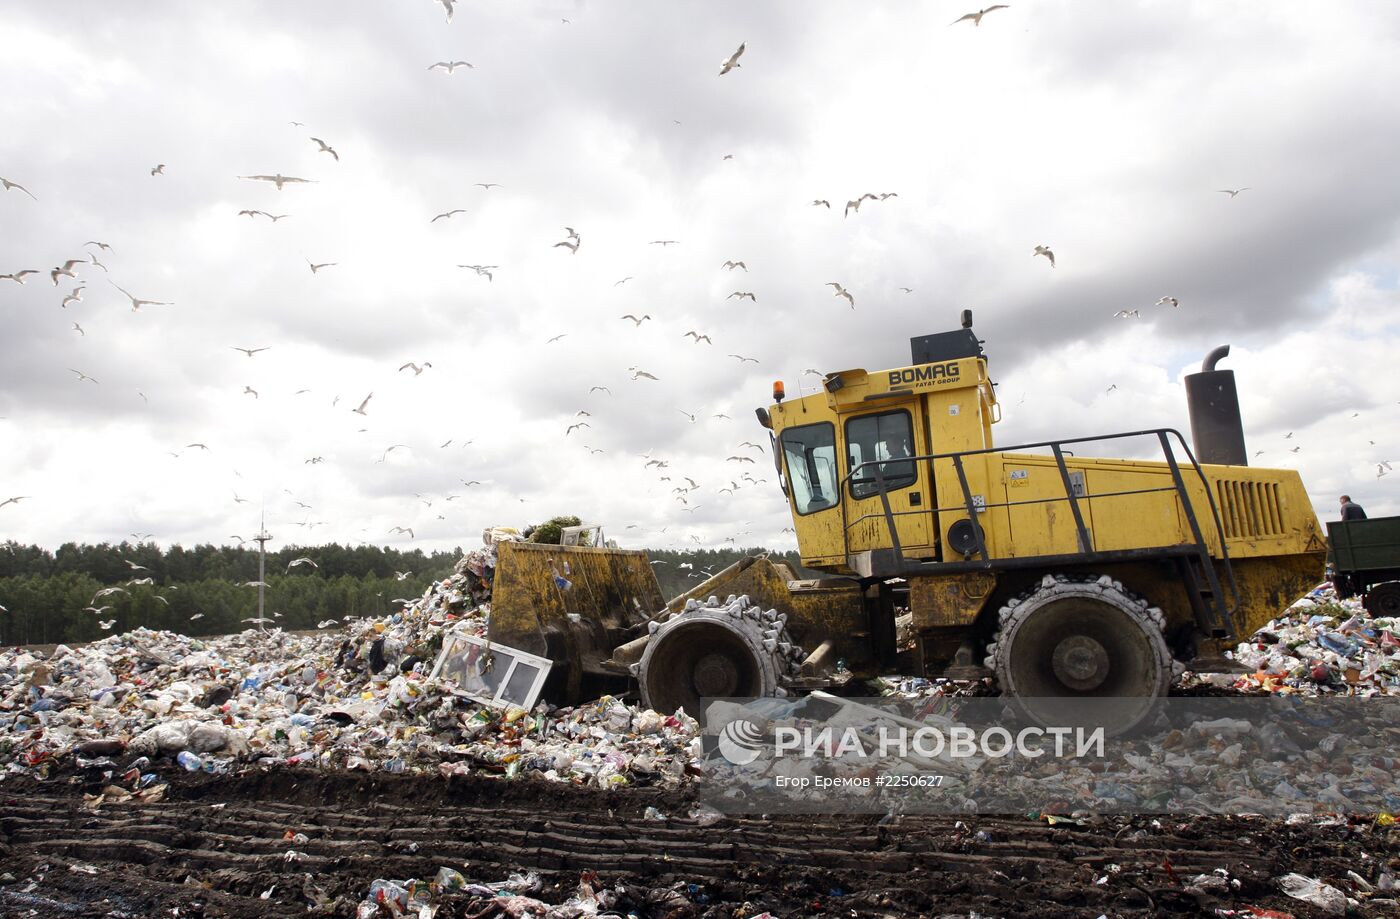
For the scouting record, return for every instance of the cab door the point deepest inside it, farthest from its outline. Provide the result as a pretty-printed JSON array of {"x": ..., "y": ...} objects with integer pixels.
[{"x": 887, "y": 437}]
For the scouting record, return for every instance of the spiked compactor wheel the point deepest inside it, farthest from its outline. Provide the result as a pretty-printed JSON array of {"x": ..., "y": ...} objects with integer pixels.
[
  {"x": 1071, "y": 639},
  {"x": 715, "y": 650}
]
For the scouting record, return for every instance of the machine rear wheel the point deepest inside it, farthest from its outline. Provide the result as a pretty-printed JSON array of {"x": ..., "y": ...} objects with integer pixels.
[
  {"x": 1069, "y": 640},
  {"x": 1383, "y": 599}
]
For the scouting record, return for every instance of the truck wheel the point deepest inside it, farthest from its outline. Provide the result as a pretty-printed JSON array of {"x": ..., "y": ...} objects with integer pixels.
[
  {"x": 1072, "y": 639},
  {"x": 1383, "y": 599},
  {"x": 733, "y": 649}
]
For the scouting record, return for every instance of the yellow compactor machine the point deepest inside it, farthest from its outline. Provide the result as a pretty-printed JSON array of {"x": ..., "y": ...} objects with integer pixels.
[{"x": 1054, "y": 572}]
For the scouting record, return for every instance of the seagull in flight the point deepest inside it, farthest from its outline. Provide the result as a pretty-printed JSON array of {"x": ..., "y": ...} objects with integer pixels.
[
  {"x": 158, "y": 170},
  {"x": 326, "y": 148},
  {"x": 66, "y": 270},
  {"x": 408, "y": 530},
  {"x": 100, "y": 245},
  {"x": 855, "y": 205},
  {"x": 744, "y": 360},
  {"x": 361, "y": 409},
  {"x": 455, "y": 210},
  {"x": 733, "y": 60},
  {"x": 315, "y": 268},
  {"x": 742, "y": 294},
  {"x": 487, "y": 185},
  {"x": 79, "y": 329},
  {"x": 577, "y": 424},
  {"x": 9, "y": 185},
  {"x": 15, "y": 500},
  {"x": 279, "y": 180},
  {"x": 698, "y": 337},
  {"x": 250, "y": 351},
  {"x": 250, "y": 391},
  {"x": 451, "y": 66},
  {"x": 417, "y": 369},
  {"x": 1232, "y": 191},
  {"x": 482, "y": 270},
  {"x": 663, "y": 242},
  {"x": 842, "y": 292},
  {"x": 238, "y": 500},
  {"x": 1167, "y": 301},
  {"x": 137, "y": 302},
  {"x": 448, "y": 5},
  {"x": 75, "y": 297},
  {"x": 641, "y": 374},
  {"x": 907, "y": 290},
  {"x": 1045, "y": 251},
  {"x": 623, "y": 281},
  {"x": 82, "y": 376},
  {"x": 977, "y": 16},
  {"x": 19, "y": 276},
  {"x": 571, "y": 243},
  {"x": 821, "y": 202},
  {"x": 731, "y": 265},
  {"x": 638, "y": 322},
  {"x": 301, "y": 561},
  {"x": 556, "y": 338},
  {"x": 593, "y": 389},
  {"x": 1127, "y": 314}
]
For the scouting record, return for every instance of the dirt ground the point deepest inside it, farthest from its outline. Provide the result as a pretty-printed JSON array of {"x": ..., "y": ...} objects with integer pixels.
[{"x": 215, "y": 846}]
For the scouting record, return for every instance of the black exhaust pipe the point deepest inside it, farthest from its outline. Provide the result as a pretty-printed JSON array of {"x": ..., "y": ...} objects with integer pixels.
[{"x": 1214, "y": 406}]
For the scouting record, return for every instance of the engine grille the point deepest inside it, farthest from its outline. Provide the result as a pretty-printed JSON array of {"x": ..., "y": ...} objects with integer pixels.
[{"x": 1249, "y": 509}]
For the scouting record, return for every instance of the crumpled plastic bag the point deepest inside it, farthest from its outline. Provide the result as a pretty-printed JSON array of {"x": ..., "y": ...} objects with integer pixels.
[
  {"x": 1311, "y": 890},
  {"x": 194, "y": 736}
]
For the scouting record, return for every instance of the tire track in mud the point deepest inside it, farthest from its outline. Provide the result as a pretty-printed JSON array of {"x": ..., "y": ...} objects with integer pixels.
[{"x": 216, "y": 844}]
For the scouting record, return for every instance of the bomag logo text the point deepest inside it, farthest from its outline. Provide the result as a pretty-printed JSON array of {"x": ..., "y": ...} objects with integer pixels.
[{"x": 931, "y": 373}]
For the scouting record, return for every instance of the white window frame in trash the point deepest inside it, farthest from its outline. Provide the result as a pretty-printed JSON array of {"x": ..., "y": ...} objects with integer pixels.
[{"x": 455, "y": 644}]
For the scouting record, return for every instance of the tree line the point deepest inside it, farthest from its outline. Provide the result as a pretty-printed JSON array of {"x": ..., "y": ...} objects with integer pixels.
[{"x": 49, "y": 597}]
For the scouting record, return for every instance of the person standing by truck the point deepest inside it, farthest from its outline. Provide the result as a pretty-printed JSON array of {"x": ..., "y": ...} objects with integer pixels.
[{"x": 1351, "y": 510}]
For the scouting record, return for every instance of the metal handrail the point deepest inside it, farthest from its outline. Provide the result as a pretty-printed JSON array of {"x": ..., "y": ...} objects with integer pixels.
[{"x": 1162, "y": 436}]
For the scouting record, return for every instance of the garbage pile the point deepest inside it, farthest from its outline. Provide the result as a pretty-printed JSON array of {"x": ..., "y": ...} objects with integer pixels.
[
  {"x": 363, "y": 702},
  {"x": 1321, "y": 645}
]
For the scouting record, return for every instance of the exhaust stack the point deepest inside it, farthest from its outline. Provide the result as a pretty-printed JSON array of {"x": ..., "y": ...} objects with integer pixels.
[{"x": 1214, "y": 405}]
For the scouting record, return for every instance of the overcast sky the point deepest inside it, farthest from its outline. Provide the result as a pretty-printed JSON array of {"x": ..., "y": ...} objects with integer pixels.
[{"x": 1103, "y": 130}]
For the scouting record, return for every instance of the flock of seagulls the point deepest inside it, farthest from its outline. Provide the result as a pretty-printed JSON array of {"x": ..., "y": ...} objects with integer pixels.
[{"x": 571, "y": 242}]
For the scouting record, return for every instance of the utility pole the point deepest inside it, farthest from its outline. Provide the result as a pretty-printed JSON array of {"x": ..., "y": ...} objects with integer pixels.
[{"x": 262, "y": 538}]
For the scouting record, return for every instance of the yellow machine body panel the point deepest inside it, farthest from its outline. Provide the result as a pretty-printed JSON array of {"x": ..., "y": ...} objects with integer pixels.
[
  {"x": 538, "y": 588},
  {"x": 832, "y": 442}
]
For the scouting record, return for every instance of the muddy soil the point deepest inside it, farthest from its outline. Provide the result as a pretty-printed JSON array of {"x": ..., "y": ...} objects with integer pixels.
[{"x": 215, "y": 847}]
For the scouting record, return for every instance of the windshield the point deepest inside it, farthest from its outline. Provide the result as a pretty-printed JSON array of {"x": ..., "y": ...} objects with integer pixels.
[
  {"x": 810, "y": 452},
  {"x": 870, "y": 438}
]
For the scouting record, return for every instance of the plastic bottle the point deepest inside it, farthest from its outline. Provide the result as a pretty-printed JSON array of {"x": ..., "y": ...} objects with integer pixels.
[{"x": 192, "y": 762}]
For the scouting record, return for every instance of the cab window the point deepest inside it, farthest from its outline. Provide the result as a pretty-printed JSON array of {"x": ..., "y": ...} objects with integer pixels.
[
  {"x": 884, "y": 438},
  {"x": 810, "y": 451}
]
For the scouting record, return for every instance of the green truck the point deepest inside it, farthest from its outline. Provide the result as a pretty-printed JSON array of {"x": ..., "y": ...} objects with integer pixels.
[{"x": 1364, "y": 556}]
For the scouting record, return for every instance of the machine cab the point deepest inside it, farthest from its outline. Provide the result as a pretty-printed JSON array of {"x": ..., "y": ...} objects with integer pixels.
[{"x": 836, "y": 448}]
